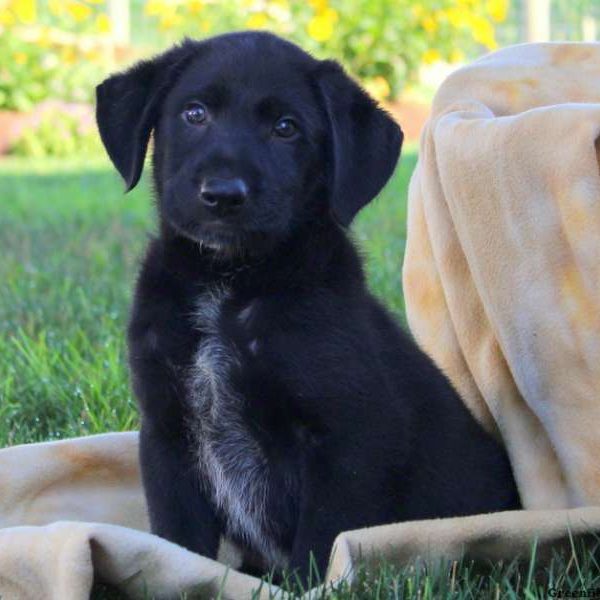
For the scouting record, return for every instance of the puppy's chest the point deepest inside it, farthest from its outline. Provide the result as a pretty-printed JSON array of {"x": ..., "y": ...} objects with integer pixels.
[
  {"x": 233, "y": 462},
  {"x": 218, "y": 356}
]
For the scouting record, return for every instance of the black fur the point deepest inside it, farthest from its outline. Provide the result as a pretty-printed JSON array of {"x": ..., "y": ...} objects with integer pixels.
[{"x": 347, "y": 422}]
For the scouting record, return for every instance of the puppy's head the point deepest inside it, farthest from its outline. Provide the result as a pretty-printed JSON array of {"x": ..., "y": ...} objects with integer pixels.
[{"x": 252, "y": 138}]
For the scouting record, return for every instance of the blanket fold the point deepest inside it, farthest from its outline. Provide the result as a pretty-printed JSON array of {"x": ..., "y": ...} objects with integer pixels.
[
  {"x": 45, "y": 558},
  {"x": 502, "y": 266}
]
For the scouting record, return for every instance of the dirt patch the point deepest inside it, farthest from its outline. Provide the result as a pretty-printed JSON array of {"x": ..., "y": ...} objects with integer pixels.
[
  {"x": 13, "y": 124},
  {"x": 411, "y": 116}
]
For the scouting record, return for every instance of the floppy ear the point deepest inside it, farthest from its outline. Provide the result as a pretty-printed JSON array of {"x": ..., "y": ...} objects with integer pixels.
[
  {"x": 365, "y": 142},
  {"x": 128, "y": 106}
]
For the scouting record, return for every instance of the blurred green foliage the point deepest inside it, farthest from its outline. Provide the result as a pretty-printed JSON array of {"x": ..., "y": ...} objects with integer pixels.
[
  {"x": 381, "y": 42},
  {"x": 59, "y": 49},
  {"x": 51, "y": 49},
  {"x": 58, "y": 134},
  {"x": 33, "y": 72}
]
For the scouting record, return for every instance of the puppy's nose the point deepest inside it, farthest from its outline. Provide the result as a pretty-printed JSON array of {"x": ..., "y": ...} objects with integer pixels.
[{"x": 223, "y": 196}]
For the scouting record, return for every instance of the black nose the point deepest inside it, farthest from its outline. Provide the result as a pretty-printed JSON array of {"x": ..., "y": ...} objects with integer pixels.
[{"x": 223, "y": 196}]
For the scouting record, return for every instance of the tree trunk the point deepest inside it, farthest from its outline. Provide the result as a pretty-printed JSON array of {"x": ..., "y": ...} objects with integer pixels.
[
  {"x": 538, "y": 20},
  {"x": 118, "y": 11}
]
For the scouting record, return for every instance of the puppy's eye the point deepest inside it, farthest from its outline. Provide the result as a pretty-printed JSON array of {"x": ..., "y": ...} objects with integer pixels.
[
  {"x": 194, "y": 113},
  {"x": 285, "y": 127}
]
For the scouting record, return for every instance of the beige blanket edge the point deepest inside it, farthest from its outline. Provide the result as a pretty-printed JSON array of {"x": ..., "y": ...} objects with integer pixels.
[{"x": 52, "y": 547}]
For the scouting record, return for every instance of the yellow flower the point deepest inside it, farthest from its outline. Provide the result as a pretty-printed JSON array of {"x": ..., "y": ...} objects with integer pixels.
[
  {"x": 170, "y": 19},
  {"x": 431, "y": 56},
  {"x": 455, "y": 16},
  {"x": 497, "y": 9},
  {"x": 483, "y": 32},
  {"x": 78, "y": 10},
  {"x": 378, "y": 87},
  {"x": 319, "y": 5},
  {"x": 68, "y": 55},
  {"x": 430, "y": 25},
  {"x": 25, "y": 10},
  {"x": 93, "y": 54},
  {"x": 257, "y": 21},
  {"x": 103, "y": 24},
  {"x": 194, "y": 6},
  {"x": 154, "y": 8},
  {"x": 320, "y": 27},
  {"x": 457, "y": 56},
  {"x": 20, "y": 58},
  {"x": 6, "y": 18}
]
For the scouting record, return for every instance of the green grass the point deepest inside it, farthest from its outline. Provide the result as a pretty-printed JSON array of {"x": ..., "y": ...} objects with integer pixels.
[
  {"x": 572, "y": 572},
  {"x": 71, "y": 242},
  {"x": 572, "y": 569}
]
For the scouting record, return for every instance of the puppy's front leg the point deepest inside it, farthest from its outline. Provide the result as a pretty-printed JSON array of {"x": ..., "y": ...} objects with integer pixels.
[
  {"x": 178, "y": 508},
  {"x": 334, "y": 499}
]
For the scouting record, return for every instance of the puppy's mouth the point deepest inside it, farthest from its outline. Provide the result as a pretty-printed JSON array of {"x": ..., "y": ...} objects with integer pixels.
[
  {"x": 216, "y": 234},
  {"x": 225, "y": 238},
  {"x": 227, "y": 235}
]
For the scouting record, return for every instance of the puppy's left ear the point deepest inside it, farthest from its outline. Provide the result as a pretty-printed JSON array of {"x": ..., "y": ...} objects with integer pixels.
[{"x": 365, "y": 142}]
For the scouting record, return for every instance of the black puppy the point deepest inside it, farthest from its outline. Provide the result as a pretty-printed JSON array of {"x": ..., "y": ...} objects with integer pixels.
[{"x": 280, "y": 402}]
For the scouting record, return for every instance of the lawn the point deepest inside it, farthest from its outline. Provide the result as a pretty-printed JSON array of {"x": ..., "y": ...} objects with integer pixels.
[{"x": 70, "y": 244}]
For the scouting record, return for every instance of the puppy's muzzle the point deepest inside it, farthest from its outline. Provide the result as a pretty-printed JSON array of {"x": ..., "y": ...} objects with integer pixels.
[{"x": 223, "y": 197}]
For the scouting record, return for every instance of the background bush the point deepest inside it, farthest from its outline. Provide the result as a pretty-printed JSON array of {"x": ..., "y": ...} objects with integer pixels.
[
  {"x": 51, "y": 53},
  {"x": 60, "y": 49},
  {"x": 381, "y": 42},
  {"x": 58, "y": 134}
]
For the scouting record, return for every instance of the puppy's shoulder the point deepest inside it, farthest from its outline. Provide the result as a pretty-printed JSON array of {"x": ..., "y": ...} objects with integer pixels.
[
  {"x": 167, "y": 266},
  {"x": 164, "y": 302}
]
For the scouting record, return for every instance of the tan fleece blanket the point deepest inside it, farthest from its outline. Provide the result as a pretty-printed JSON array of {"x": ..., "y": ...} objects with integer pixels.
[
  {"x": 53, "y": 545},
  {"x": 502, "y": 266},
  {"x": 503, "y": 289}
]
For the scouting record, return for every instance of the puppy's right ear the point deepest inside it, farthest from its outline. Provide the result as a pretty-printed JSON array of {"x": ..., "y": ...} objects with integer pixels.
[{"x": 128, "y": 106}]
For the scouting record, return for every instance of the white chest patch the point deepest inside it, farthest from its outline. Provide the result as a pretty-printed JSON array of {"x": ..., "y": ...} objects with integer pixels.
[{"x": 230, "y": 458}]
